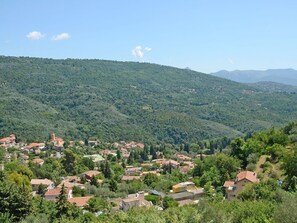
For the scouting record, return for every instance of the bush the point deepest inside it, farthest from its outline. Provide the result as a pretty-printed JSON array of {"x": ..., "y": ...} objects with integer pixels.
[
  {"x": 251, "y": 167},
  {"x": 153, "y": 198}
]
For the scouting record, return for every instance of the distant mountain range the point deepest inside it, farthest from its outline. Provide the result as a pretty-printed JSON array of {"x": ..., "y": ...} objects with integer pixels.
[{"x": 282, "y": 76}]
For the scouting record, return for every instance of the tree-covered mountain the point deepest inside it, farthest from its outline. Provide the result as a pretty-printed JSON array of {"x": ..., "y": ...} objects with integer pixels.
[
  {"x": 274, "y": 87},
  {"x": 282, "y": 76},
  {"x": 130, "y": 101}
]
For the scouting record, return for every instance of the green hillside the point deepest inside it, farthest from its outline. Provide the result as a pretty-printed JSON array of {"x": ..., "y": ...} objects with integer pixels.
[{"x": 130, "y": 101}]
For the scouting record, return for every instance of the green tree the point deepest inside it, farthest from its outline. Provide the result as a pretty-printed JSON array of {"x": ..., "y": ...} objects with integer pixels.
[
  {"x": 169, "y": 202},
  {"x": 70, "y": 161},
  {"x": 97, "y": 204},
  {"x": 290, "y": 167},
  {"x": 107, "y": 170},
  {"x": 113, "y": 185},
  {"x": 94, "y": 181},
  {"x": 150, "y": 178},
  {"x": 63, "y": 207},
  {"x": 15, "y": 200}
]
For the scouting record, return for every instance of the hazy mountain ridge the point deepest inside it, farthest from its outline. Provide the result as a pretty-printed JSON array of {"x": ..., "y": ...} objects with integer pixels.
[
  {"x": 282, "y": 76},
  {"x": 130, "y": 101}
]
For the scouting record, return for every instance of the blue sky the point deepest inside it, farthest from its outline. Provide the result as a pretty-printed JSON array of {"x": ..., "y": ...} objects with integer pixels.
[{"x": 205, "y": 35}]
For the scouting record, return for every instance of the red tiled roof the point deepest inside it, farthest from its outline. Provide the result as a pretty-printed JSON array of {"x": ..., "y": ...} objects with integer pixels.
[
  {"x": 35, "y": 144},
  {"x": 228, "y": 183},
  {"x": 80, "y": 201},
  {"x": 55, "y": 191},
  {"x": 9, "y": 138},
  {"x": 250, "y": 176}
]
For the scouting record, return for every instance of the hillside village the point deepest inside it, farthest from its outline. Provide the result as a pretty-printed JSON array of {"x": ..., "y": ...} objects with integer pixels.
[
  {"x": 105, "y": 178},
  {"x": 95, "y": 181}
]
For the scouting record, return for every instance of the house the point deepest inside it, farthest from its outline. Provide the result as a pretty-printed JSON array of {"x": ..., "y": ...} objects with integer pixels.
[
  {"x": 80, "y": 201},
  {"x": 53, "y": 194},
  {"x": 36, "y": 182},
  {"x": 130, "y": 178},
  {"x": 89, "y": 174},
  {"x": 93, "y": 143},
  {"x": 164, "y": 162},
  {"x": 184, "y": 186},
  {"x": 188, "y": 194},
  {"x": 183, "y": 157},
  {"x": 71, "y": 181},
  {"x": 135, "y": 200},
  {"x": 34, "y": 145},
  {"x": 8, "y": 141},
  {"x": 58, "y": 142},
  {"x": 38, "y": 161},
  {"x": 233, "y": 188},
  {"x": 107, "y": 152},
  {"x": 133, "y": 170}
]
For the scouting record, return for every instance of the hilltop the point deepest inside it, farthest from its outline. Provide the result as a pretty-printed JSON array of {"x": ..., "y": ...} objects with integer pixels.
[{"x": 144, "y": 102}]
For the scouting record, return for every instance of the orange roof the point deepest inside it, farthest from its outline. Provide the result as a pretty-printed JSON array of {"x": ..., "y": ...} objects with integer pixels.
[
  {"x": 228, "y": 183},
  {"x": 91, "y": 173},
  {"x": 55, "y": 191},
  {"x": 183, "y": 157},
  {"x": 9, "y": 138},
  {"x": 41, "y": 181},
  {"x": 38, "y": 161},
  {"x": 35, "y": 144},
  {"x": 80, "y": 201},
  {"x": 248, "y": 175}
]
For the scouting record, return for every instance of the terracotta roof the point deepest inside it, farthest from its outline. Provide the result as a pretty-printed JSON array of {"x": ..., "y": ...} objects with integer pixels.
[
  {"x": 228, "y": 183},
  {"x": 167, "y": 162},
  {"x": 9, "y": 138},
  {"x": 41, "y": 181},
  {"x": 55, "y": 191},
  {"x": 38, "y": 161},
  {"x": 35, "y": 144},
  {"x": 80, "y": 201},
  {"x": 91, "y": 173},
  {"x": 183, "y": 157},
  {"x": 250, "y": 176}
]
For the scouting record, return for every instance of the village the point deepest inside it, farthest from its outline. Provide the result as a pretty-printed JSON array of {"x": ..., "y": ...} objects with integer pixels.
[{"x": 124, "y": 174}]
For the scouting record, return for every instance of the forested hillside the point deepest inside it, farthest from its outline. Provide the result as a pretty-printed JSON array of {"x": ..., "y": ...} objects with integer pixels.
[{"x": 130, "y": 101}]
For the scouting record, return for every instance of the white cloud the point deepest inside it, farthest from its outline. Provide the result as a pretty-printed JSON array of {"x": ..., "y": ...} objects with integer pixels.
[
  {"x": 148, "y": 49},
  {"x": 139, "y": 52},
  {"x": 35, "y": 35},
  {"x": 61, "y": 36}
]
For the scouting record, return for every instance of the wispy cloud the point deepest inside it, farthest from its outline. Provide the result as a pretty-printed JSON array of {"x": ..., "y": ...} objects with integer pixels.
[
  {"x": 35, "y": 35},
  {"x": 231, "y": 61},
  {"x": 61, "y": 36},
  {"x": 139, "y": 52}
]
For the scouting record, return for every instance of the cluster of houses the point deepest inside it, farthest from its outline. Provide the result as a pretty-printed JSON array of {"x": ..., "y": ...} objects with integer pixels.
[{"x": 184, "y": 192}]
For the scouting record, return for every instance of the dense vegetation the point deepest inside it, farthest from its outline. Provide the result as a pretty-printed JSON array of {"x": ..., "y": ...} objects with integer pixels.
[{"x": 130, "y": 101}]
